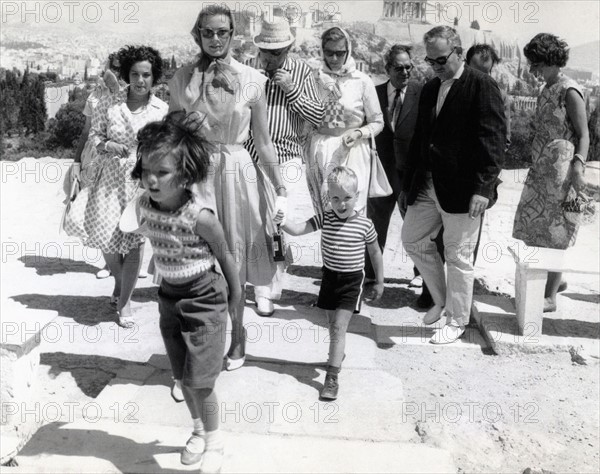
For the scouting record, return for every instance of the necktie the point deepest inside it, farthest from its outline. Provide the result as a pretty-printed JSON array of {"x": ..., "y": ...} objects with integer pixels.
[{"x": 395, "y": 110}]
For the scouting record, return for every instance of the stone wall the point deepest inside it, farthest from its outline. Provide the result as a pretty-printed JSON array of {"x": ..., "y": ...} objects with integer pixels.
[{"x": 21, "y": 332}]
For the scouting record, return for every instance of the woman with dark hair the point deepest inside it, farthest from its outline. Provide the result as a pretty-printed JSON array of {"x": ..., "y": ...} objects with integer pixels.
[
  {"x": 352, "y": 116},
  {"x": 559, "y": 152},
  {"x": 230, "y": 97},
  {"x": 115, "y": 123}
]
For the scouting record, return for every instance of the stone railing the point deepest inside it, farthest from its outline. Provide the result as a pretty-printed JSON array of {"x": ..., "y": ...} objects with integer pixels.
[{"x": 21, "y": 332}]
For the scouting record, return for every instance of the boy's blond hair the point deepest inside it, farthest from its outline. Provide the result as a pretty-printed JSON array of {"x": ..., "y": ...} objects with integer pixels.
[{"x": 343, "y": 177}]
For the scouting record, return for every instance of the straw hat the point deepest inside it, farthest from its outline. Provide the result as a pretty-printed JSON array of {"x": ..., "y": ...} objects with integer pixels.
[{"x": 275, "y": 34}]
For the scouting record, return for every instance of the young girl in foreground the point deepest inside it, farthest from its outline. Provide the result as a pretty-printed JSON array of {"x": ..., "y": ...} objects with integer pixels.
[{"x": 187, "y": 238}]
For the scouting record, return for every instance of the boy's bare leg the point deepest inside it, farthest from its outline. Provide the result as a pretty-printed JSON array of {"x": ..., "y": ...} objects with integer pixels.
[{"x": 339, "y": 320}]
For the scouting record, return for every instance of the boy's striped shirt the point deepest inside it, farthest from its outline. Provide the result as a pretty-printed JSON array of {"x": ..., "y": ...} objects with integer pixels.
[{"x": 343, "y": 241}]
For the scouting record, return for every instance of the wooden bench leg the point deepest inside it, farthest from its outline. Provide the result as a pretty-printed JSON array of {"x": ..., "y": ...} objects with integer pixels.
[{"x": 529, "y": 298}]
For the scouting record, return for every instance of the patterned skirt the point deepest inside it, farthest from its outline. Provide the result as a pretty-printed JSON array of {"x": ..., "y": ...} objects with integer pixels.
[
  {"x": 109, "y": 195},
  {"x": 540, "y": 220}
]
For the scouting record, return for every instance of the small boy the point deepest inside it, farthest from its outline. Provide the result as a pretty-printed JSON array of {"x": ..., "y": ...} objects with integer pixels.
[{"x": 344, "y": 234}]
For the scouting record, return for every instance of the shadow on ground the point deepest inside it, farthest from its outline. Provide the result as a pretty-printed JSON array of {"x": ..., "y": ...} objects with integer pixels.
[
  {"x": 91, "y": 372},
  {"x": 587, "y": 298},
  {"x": 46, "y": 266},
  {"x": 86, "y": 310},
  {"x": 122, "y": 452}
]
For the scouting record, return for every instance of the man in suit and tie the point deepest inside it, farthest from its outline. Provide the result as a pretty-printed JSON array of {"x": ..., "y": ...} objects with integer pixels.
[
  {"x": 399, "y": 100},
  {"x": 451, "y": 176}
]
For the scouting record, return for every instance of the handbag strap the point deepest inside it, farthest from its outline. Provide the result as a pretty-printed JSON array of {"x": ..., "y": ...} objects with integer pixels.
[{"x": 373, "y": 147}]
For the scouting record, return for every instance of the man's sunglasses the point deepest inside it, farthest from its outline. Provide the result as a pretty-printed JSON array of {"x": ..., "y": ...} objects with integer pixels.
[
  {"x": 330, "y": 54},
  {"x": 221, "y": 34},
  {"x": 440, "y": 61},
  {"x": 274, "y": 52},
  {"x": 400, "y": 69}
]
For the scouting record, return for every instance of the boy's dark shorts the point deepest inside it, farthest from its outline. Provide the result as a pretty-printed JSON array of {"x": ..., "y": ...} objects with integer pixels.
[
  {"x": 341, "y": 290},
  {"x": 193, "y": 321}
]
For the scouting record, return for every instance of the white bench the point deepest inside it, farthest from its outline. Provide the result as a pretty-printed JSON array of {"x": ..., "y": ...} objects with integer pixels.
[{"x": 532, "y": 267}]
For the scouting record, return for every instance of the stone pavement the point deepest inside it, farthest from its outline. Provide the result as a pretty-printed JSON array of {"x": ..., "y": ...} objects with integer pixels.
[
  {"x": 270, "y": 411},
  {"x": 105, "y": 401}
]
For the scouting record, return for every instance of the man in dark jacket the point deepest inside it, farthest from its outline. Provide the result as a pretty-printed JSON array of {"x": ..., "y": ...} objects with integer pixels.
[
  {"x": 451, "y": 176},
  {"x": 399, "y": 101}
]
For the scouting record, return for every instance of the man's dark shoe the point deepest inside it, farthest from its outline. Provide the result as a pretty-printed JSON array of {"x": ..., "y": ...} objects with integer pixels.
[{"x": 330, "y": 388}]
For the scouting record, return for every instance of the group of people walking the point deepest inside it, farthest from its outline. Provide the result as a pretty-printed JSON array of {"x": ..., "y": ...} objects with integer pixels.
[{"x": 219, "y": 163}]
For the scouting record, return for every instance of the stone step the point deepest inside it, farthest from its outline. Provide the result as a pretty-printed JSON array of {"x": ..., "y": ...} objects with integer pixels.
[
  {"x": 266, "y": 397},
  {"x": 106, "y": 446}
]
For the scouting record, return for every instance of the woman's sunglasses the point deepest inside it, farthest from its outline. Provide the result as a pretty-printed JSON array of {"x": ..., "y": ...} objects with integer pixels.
[
  {"x": 207, "y": 33},
  {"x": 440, "y": 61},
  {"x": 330, "y": 54}
]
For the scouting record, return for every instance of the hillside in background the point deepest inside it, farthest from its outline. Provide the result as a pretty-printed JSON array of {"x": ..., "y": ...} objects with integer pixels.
[{"x": 586, "y": 56}]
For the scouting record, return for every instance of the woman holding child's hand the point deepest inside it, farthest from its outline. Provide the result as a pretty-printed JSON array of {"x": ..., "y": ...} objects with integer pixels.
[{"x": 231, "y": 98}]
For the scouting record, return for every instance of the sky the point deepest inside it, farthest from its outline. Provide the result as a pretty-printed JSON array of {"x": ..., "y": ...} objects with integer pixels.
[{"x": 575, "y": 21}]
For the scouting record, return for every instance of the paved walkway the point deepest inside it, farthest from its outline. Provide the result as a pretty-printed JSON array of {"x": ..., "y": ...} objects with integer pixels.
[
  {"x": 121, "y": 417},
  {"x": 111, "y": 385}
]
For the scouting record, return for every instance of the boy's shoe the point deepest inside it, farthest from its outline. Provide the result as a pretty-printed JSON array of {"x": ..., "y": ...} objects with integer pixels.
[
  {"x": 450, "y": 333},
  {"x": 193, "y": 451},
  {"x": 212, "y": 461},
  {"x": 330, "y": 388},
  {"x": 416, "y": 282}
]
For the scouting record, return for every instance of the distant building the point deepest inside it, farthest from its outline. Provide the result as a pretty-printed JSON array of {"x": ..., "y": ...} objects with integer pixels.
[
  {"x": 522, "y": 102},
  {"x": 407, "y": 21},
  {"x": 414, "y": 11},
  {"x": 578, "y": 74}
]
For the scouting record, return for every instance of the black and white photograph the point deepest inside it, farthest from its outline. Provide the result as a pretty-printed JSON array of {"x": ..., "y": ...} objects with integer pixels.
[{"x": 300, "y": 236}]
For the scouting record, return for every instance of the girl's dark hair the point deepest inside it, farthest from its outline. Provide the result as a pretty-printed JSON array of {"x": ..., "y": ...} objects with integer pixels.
[
  {"x": 130, "y": 55},
  {"x": 547, "y": 49},
  {"x": 178, "y": 135}
]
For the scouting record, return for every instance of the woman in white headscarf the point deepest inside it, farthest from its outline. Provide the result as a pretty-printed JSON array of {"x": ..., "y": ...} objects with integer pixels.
[
  {"x": 352, "y": 116},
  {"x": 230, "y": 98}
]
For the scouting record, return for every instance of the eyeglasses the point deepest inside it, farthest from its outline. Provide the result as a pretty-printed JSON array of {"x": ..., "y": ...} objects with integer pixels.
[
  {"x": 330, "y": 54},
  {"x": 440, "y": 61},
  {"x": 400, "y": 69},
  {"x": 221, "y": 34},
  {"x": 274, "y": 52}
]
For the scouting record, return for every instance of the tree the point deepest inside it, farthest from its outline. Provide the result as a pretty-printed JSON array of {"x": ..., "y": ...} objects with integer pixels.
[
  {"x": 173, "y": 63},
  {"x": 475, "y": 25},
  {"x": 10, "y": 97},
  {"x": 85, "y": 74},
  {"x": 66, "y": 127},
  {"x": 455, "y": 21},
  {"x": 32, "y": 111}
]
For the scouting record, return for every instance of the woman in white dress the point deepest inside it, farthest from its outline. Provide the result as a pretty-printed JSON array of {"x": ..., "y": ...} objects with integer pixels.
[
  {"x": 230, "y": 98},
  {"x": 352, "y": 116}
]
